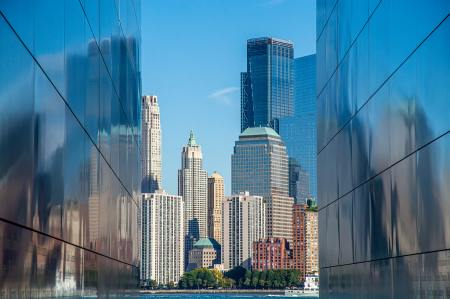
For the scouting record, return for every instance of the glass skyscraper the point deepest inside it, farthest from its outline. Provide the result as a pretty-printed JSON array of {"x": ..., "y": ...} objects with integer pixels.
[
  {"x": 259, "y": 165},
  {"x": 299, "y": 132},
  {"x": 267, "y": 88},
  {"x": 70, "y": 148},
  {"x": 383, "y": 90}
]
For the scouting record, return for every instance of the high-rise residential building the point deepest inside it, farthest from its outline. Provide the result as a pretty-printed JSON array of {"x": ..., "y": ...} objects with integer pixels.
[
  {"x": 272, "y": 254},
  {"x": 205, "y": 254},
  {"x": 305, "y": 234},
  {"x": 192, "y": 185},
  {"x": 383, "y": 143},
  {"x": 267, "y": 88},
  {"x": 216, "y": 194},
  {"x": 162, "y": 237},
  {"x": 243, "y": 222},
  {"x": 151, "y": 145},
  {"x": 260, "y": 165},
  {"x": 64, "y": 124},
  {"x": 299, "y": 132}
]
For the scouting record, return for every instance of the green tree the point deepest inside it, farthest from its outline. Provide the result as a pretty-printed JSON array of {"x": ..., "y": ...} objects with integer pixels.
[
  {"x": 247, "y": 283},
  {"x": 236, "y": 273},
  {"x": 240, "y": 283},
  {"x": 255, "y": 274},
  {"x": 255, "y": 282},
  {"x": 248, "y": 275},
  {"x": 153, "y": 283},
  {"x": 261, "y": 283},
  {"x": 198, "y": 282},
  {"x": 270, "y": 277},
  {"x": 171, "y": 285},
  {"x": 263, "y": 275},
  {"x": 268, "y": 284}
]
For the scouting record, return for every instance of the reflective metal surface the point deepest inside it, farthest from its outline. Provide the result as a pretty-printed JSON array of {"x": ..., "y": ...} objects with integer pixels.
[
  {"x": 383, "y": 90},
  {"x": 69, "y": 148}
]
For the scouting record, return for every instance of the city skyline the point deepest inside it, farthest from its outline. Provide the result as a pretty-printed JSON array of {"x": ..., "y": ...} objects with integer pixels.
[{"x": 209, "y": 78}]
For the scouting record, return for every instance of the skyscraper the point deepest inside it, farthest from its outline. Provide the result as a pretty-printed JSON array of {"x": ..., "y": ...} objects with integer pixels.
[
  {"x": 192, "y": 185},
  {"x": 243, "y": 222},
  {"x": 299, "y": 132},
  {"x": 216, "y": 194},
  {"x": 267, "y": 88},
  {"x": 70, "y": 152},
  {"x": 151, "y": 145},
  {"x": 260, "y": 165},
  {"x": 162, "y": 237},
  {"x": 382, "y": 136}
]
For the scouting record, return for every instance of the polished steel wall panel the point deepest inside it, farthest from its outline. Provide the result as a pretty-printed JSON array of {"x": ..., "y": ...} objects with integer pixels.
[
  {"x": 379, "y": 126},
  {"x": 344, "y": 27},
  {"x": 92, "y": 11},
  {"x": 321, "y": 81},
  {"x": 345, "y": 105},
  {"x": 20, "y": 15},
  {"x": 49, "y": 41},
  {"x": 429, "y": 17},
  {"x": 361, "y": 224},
  {"x": 17, "y": 124},
  {"x": 359, "y": 68},
  {"x": 332, "y": 175},
  {"x": 345, "y": 160},
  {"x": 359, "y": 16},
  {"x": 360, "y": 147},
  {"x": 107, "y": 95},
  {"x": 403, "y": 106},
  {"x": 333, "y": 234},
  {"x": 433, "y": 65},
  {"x": 322, "y": 225},
  {"x": 331, "y": 112},
  {"x": 331, "y": 39},
  {"x": 346, "y": 229}
]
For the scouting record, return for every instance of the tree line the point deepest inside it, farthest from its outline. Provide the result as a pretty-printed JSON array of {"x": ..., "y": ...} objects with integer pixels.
[{"x": 239, "y": 278}]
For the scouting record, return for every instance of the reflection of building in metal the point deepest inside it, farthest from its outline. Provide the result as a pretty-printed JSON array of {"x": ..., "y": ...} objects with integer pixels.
[
  {"x": 162, "y": 237},
  {"x": 216, "y": 194},
  {"x": 259, "y": 165},
  {"x": 192, "y": 185},
  {"x": 244, "y": 222},
  {"x": 151, "y": 145},
  {"x": 383, "y": 143},
  {"x": 65, "y": 90},
  {"x": 205, "y": 254},
  {"x": 267, "y": 88}
]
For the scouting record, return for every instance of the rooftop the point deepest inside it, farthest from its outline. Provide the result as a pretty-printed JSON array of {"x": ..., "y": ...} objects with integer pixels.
[
  {"x": 216, "y": 175},
  {"x": 206, "y": 243},
  {"x": 259, "y": 132}
]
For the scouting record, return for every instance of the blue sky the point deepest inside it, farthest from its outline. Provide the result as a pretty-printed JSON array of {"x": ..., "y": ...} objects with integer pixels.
[{"x": 192, "y": 55}]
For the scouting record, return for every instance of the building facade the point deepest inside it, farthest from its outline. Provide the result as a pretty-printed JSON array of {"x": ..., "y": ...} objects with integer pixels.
[
  {"x": 192, "y": 186},
  {"x": 162, "y": 237},
  {"x": 205, "y": 254},
  {"x": 216, "y": 194},
  {"x": 267, "y": 88},
  {"x": 260, "y": 165},
  {"x": 382, "y": 124},
  {"x": 151, "y": 145},
  {"x": 272, "y": 254},
  {"x": 70, "y": 149},
  {"x": 299, "y": 186},
  {"x": 243, "y": 222},
  {"x": 305, "y": 246}
]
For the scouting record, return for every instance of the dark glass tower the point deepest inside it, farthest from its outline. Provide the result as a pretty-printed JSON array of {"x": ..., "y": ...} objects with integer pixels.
[
  {"x": 383, "y": 90},
  {"x": 299, "y": 132},
  {"x": 267, "y": 88},
  {"x": 69, "y": 149}
]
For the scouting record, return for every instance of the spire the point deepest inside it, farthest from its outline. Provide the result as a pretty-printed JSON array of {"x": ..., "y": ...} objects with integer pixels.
[{"x": 191, "y": 141}]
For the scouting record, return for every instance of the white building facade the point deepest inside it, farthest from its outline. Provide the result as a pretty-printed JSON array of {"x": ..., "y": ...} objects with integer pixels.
[
  {"x": 243, "y": 222},
  {"x": 162, "y": 237},
  {"x": 151, "y": 145},
  {"x": 192, "y": 186}
]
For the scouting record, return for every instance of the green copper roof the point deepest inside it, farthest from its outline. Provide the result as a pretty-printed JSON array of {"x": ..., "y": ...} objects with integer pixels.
[
  {"x": 259, "y": 131},
  {"x": 206, "y": 243},
  {"x": 191, "y": 141}
]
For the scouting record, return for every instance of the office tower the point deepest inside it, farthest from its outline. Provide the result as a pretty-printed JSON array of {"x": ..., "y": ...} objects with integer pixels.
[
  {"x": 298, "y": 182},
  {"x": 216, "y": 194},
  {"x": 192, "y": 185},
  {"x": 299, "y": 132},
  {"x": 267, "y": 88},
  {"x": 64, "y": 124},
  {"x": 382, "y": 124},
  {"x": 205, "y": 254},
  {"x": 260, "y": 165},
  {"x": 272, "y": 254},
  {"x": 189, "y": 242},
  {"x": 243, "y": 222},
  {"x": 162, "y": 237},
  {"x": 151, "y": 145},
  {"x": 305, "y": 245}
]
